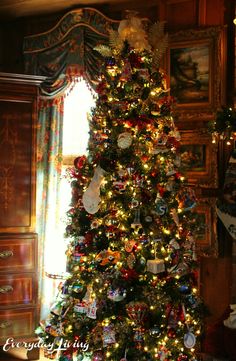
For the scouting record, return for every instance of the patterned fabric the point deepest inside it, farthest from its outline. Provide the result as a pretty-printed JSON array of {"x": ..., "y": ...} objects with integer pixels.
[
  {"x": 49, "y": 165},
  {"x": 69, "y": 43},
  {"x": 62, "y": 54}
]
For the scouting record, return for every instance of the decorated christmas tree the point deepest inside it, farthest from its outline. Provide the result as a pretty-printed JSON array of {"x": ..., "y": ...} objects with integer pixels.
[{"x": 131, "y": 291}]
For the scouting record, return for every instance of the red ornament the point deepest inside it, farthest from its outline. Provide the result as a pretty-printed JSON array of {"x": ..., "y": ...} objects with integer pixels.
[
  {"x": 80, "y": 161},
  {"x": 129, "y": 274},
  {"x": 144, "y": 158},
  {"x": 137, "y": 311}
]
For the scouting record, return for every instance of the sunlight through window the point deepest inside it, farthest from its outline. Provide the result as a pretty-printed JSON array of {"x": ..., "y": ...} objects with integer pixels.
[
  {"x": 75, "y": 126},
  {"x": 77, "y": 105}
]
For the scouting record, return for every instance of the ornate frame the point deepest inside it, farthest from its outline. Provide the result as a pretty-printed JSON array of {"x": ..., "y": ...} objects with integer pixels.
[
  {"x": 188, "y": 69},
  {"x": 206, "y": 240},
  {"x": 198, "y": 158}
]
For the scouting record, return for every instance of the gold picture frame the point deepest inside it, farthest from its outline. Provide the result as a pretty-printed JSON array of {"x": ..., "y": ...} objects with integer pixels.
[
  {"x": 198, "y": 158},
  {"x": 206, "y": 235},
  {"x": 195, "y": 64}
]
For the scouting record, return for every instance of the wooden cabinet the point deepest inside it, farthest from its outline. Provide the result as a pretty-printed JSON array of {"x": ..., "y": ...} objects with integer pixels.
[{"x": 18, "y": 240}]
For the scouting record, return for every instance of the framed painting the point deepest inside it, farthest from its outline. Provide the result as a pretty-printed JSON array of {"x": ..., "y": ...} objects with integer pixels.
[
  {"x": 205, "y": 233},
  {"x": 196, "y": 69},
  {"x": 198, "y": 158}
]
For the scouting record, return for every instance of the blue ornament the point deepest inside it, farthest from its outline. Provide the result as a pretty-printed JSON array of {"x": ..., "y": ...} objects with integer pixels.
[{"x": 184, "y": 289}]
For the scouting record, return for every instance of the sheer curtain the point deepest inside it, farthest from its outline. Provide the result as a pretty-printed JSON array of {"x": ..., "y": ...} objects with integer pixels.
[{"x": 49, "y": 166}]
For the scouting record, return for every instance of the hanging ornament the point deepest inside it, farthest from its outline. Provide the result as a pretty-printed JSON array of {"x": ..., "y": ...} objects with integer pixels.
[
  {"x": 81, "y": 307},
  {"x": 155, "y": 265},
  {"x": 108, "y": 335},
  {"x": 170, "y": 171},
  {"x": 92, "y": 309},
  {"x": 161, "y": 206},
  {"x": 56, "y": 308},
  {"x": 189, "y": 340},
  {"x": 77, "y": 290},
  {"x": 117, "y": 294},
  {"x": 189, "y": 337},
  {"x": 119, "y": 186},
  {"x": 134, "y": 203},
  {"x": 136, "y": 224},
  {"x": 137, "y": 311},
  {"x": 96, "y": 223},
  {"x": 107, "y": 257},
  {"x": 139, "y": 337},
  {"x": 79, "y": 162},
  {"x": 159, "y": 145},
  {"x": 129, "y": 245},
  {"x": 184, "y": 289},
  {"x": 124, "y": 140},
  {"x": 91, "y": 197},
  {"x": 154, "y": 331}
]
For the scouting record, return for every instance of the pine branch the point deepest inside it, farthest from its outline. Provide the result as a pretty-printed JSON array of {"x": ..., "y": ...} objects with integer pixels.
[{"x": 103, "y": 50}]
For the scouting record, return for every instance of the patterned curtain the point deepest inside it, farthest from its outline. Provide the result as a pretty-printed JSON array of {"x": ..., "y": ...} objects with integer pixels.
[
  {"x": 64, "y": 53},
  {"x": 49, "y": 151}
]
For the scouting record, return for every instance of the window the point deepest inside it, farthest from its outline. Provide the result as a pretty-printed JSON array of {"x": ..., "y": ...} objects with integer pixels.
[{"x": 77, "y": 105}]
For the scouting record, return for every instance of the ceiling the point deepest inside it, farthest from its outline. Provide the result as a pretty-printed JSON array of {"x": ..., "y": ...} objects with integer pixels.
[{"x": 12, "y": 9}]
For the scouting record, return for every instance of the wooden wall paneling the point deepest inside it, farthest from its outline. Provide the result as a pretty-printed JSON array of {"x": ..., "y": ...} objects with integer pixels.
[
  {"x": 181, "y": 14},
  {"x": 211, "y": 12},
  {"x": 215, "y": 282}
]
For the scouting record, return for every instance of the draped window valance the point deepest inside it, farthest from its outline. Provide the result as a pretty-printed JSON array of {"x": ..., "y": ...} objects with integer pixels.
[{"x": 67, "y": 50}]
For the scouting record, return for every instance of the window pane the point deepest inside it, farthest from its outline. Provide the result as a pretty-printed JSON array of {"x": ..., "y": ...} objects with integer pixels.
[{"x": 75, "y": 127}]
